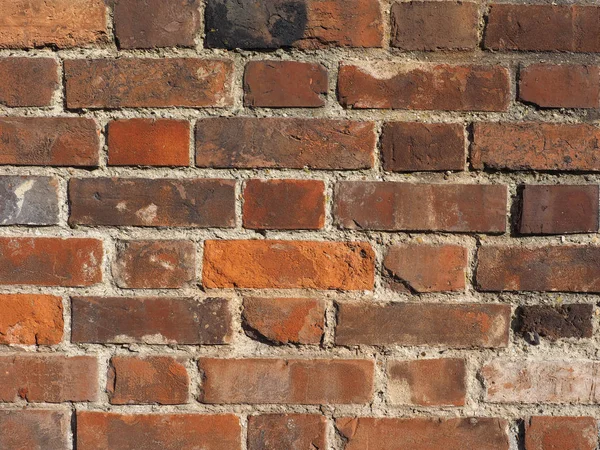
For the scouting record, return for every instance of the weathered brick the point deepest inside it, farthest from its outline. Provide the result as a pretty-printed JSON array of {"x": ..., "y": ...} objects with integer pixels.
[
  {"x": 414, "y": 146},
  {"x": 569, "y": 28},
  {"x": 425, "y": 86},
  {"x": 148, "y": 142},
  {"x": 156, "y": 23},
  {"x": 541, "y": 381},
  {"x": 561, "y": 433},
  {"x": 27, "y": 81},
  {"x": 288, "y": 264},
  {"x": 34, "y": 429},
  {"x": 283, "y": 381},
  {"x": 50, "y": 261},
  {"x": 59, "y": 23},
  {"x": 284, "y": 204},
  {"x": 567, "y": 268},
  {"x": 285, "y": 320},
  {"x": 152, "y": 202},
  {"x": 29, "y": 319},
  {"x": 564, "y": 321},
  {"x": 245, "y": 142},
  {"x": 459, "y": 325},
  {"x": 393, "y": 206},
  {"x": 424, "y": 433},
  {"x": 307, "y": 24},
  {"x": 560, "y": 86},
  {"x": 427, "y": 268},
  {"x": 27, "y": 200},
  {"x": 49, "y": 141},
  {"x": 111, "y": 431},
  {"x": 153, "y": 379},
  {"x": 430, "y": 25},
  {"x": 287, "y": 431},
  {"x": 285, "y": 84},
  {"x": 140, "y": 82},
  {"x": 154, "y": 264},
  {"x": 164, "y": 320},
  {"x": 559, "y": 209},
  {"x": 48, "y": 378},
  {"x": 536, "y": 146}
]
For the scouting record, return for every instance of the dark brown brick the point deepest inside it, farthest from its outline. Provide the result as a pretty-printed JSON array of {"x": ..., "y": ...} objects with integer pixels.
[
  {"x": 245, "y": 142},
  {"x": 34, "y": 429},
  {"x": 564, "y": 321},
  {"x": 152, "y": 202},
  {"x": 122, "y": 320},
  {"x": 414, "y": 146},
  {"x": 559, "y": 209},
  {"x": 138, "y": 83},
  {"x": 561, "y": 433},
  {"x": 393, "y": 206},
  {"x": 287, "y": 431},
  {"x": 28, "y": 200},
  {"x": 27, "y": 81}
]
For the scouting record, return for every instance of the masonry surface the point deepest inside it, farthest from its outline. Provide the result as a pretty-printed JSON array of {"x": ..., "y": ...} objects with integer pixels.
[{"x": 299, "y": 225}]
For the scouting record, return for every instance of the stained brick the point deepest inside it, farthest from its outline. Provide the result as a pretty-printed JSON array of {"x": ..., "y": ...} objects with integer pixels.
[
  {"x": 34, "y": 429},
  {"x": 30, "y": 319},
  {"x": 27, "y": 200},
  {"x": 564, "y": 321},
  {"x": 27, "y": 81},
  {"x": 561, "y": 433},
  {"x": 289, "y": 431}
]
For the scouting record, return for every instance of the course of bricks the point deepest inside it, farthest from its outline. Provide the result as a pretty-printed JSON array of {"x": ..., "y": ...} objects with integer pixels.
[{"x": 299, "y": 224}]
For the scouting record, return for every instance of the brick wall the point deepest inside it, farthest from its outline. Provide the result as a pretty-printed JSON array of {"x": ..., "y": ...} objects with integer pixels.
[{"x": 307, "y": 224}]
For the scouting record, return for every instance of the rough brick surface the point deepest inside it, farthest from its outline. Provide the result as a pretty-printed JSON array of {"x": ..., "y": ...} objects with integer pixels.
[
  {"x": 158, "y": 83},
  {"x": 391, "y": 85},
  {"x": 34, "y": 429},
  {"x": 460, "y": 325},
  {"x": 31, "y": 319},
  {"x": 289, "y": 431},
  {"x": 107, "y": 431},
  {"x": 150, "y": 320},
  {"x": 561, "y": 433},
  {"x": 564, "y": 321},
  {"x": 288, "y": 264},
  {"x": 284, "y": 84},
  {"x": 27, "y": 81},
  {"x": 28, "y": 200},
  {"x": 154, "y": 264},
  {"x": 284, "y": 143},
  {"x": 286, "y": 381},
  {"x": 156, "y": 379}
]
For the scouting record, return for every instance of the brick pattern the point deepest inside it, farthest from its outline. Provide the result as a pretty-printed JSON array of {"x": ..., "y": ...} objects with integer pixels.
[{"x": 293, "y": 224}]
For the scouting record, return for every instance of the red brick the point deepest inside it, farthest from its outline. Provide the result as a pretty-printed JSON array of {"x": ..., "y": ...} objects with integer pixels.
[
  {"x": 34, "y": 429},
  {"x": 49, "y": 379},
  {"x": 49, "y": 141},
  {"x": 283, "y": 381},
  {"x": 285, "y": 84},
  {"x": 536, "y": 146},
  {"x": 148, "y": 142},
  {"x": 50, "y": 261},
  {"x": 560, "y": 86},
  {"x": 559, "y": 209},
  {"x": 432, "y": 25},
  {"x": 150, "y": 83},
  {"x": 561, "y": 433},
  {"x": 245, "y": 143},
  {"x": 156, "y": 23},
  {"x": 60, "y": 23},
  {"x": 154, "y": 264},
  {"x": 30, "y": 319},
  {"x": 425, "y": 86},
  {"x": 287, "y": 431},
  {"x": 414, "y": 146},
  {"x": 561, "y": 321},
  {"x": 567, "y": 268},
  {"x": 143, "y": 202},
  {"x": 307, "y": 24},
  {"x": 111, "y": 431},
  {"x": 153, "y": 379},
  {"x": 285, "y": 320},
  {"x": 284, "y": 204},
  {"x": 147, "y": 320},
  {"x": 427, "y": 268},
  {"x": 570, "y": 28},
  {"x": 264, "y": 264},
  {"x": 393, "y": 206},
  {"x": 424, "y": 433},
  {"x": 460, "y": 325},
  {"x": 541, "y": 381},
  {"x": 27, "y": 81},
  {"x": 427, "y": 382}
]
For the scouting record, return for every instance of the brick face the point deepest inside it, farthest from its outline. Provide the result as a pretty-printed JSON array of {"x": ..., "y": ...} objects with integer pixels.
[
  {"x": 290, "y": 431},
  {"x": 31, "y": 319},
  {"x": 34, "y": 429},
  {"x": 561, "y": 433},
  {"x": 27, "y": 81},
  {"x": 26, "y": 200}
]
